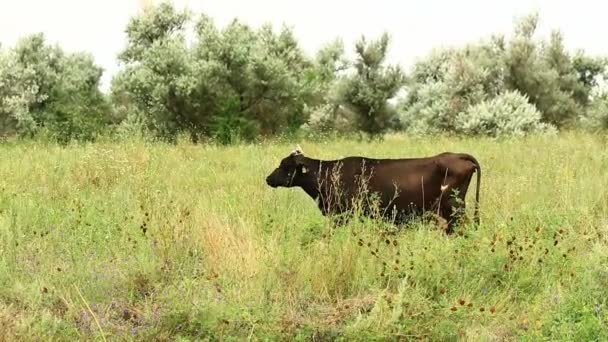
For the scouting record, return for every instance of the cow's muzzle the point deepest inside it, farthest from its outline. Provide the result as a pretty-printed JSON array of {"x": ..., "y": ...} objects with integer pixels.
[{"x": 270, "y": 182}]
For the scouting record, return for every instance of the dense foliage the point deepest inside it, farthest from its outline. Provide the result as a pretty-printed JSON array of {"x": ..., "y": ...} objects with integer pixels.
[
  {"x": 45, "y": 90},
  {"x": 182, "y": 74},
  {"x": 232, "y": 81},
  {"x": 454, "y": 86}
]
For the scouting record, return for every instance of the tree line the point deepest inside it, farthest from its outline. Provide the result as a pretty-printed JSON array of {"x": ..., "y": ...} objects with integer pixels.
[{"x": 241, "y": 83}]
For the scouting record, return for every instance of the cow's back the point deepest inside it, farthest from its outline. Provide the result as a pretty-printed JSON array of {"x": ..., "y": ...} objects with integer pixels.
[
  {"x": 405, "y": 183},
  {"x": 412, "y": 182}
]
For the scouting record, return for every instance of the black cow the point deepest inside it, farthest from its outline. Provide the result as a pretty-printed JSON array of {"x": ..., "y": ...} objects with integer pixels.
[{"x": 396, "y": 189}]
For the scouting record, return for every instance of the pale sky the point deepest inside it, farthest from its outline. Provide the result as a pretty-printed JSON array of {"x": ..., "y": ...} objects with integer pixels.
[{"x": 415, "y": 26}]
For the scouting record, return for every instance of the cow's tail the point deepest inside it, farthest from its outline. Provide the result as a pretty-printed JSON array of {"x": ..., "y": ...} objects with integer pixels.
[{"x": 478, "y": 172}]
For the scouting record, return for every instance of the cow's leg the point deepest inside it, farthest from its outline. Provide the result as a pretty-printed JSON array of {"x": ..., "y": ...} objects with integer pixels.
[{"x": 452, "y": 210}]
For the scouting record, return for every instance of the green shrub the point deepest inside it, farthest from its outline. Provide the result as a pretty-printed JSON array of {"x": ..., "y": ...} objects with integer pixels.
[
  {"x": 430, "y": 111},
  {"x": 507, "y": 114},
  {"x": 596, "y": 116}
]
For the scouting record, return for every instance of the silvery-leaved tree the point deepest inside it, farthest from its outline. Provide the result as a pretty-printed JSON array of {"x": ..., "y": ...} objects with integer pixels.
[
  {"x": 156, "y": 85},
  {"x": 227, "y": 83},
  {"x": 325, "y": 114},
  {"x": 368, "y": 90},
  {"x": 261, "y": 76},
  {"x": 556, "y": 82},
  {"x": 44, "y": 89},
  {"x": 451, "y": 84}
]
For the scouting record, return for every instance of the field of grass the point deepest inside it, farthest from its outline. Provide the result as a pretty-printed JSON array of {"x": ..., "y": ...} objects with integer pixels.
[{"x": 139, "y": 241}]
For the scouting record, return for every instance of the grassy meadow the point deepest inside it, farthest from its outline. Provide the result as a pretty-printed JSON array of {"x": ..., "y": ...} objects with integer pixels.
[{"x": 142, "y": 241}]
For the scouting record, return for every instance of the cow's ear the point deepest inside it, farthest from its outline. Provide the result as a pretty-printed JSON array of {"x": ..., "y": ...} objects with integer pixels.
[
  {"x": 301, "y": 164},
  {"x": 297, "y": 150}
]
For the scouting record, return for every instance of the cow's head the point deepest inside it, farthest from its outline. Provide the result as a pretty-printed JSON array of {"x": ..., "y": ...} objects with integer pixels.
[{"x": 289, "y": 172}]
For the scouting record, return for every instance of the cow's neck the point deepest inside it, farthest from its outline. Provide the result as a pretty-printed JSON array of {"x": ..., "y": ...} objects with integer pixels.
[{"x": 310, "y": 183}]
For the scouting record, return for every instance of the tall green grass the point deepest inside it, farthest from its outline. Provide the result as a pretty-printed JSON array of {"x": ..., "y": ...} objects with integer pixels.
[{"x": 141, "y": 241}]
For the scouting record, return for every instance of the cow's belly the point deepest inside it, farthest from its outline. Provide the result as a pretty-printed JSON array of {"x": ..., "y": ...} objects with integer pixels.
[{"x": 407, "y": 199}]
